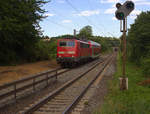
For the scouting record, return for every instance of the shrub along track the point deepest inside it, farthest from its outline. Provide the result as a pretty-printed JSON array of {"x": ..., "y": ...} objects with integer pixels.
[
  {"x": 63, "y": 99},
  {"x": 38, "y": 93}
]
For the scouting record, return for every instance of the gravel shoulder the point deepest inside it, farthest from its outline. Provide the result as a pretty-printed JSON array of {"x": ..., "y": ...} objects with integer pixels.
[
  {"x": 97, "y": 99},
  {"x": 12, "y": 73},
  {"x": 27, "y": 100}
]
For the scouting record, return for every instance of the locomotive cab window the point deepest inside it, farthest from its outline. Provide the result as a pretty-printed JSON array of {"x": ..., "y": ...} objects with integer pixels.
[
  {"x": 71, "y": 44},
  {"x": 67, "y": 44},
  {"x": 62, "y": 44}
]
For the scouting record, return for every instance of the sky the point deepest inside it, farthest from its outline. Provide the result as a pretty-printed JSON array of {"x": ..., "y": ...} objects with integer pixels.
[{"x": 65, "y": 15}]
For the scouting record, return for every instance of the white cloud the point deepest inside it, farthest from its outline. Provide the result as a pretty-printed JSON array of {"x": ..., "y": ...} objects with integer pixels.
[
  {"x": 114, "y": 18},
  {"x": 110, "y": 11},
  {"x": 88, "y": 13},
  {"x": 66, "y": 21},
  {"x": 49, "y": 14},
  {"x": 136, "y": 12},
  {"x": 133, "y": 17},
  {"x": 114, "y": 5}
]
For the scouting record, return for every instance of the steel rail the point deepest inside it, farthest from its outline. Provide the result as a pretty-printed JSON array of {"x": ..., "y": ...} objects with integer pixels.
[
  {"x": 43, "y": 101},
  {"x": 31, "y": 77},
  {"x": 26, "y": 86},
  {"x": 77, "y": 99},
  {"x": 51, "y": 95},
  {"x": 13, "y": 85}
]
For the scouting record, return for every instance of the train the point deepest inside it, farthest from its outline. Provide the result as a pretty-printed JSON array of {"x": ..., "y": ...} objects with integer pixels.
[{"x": 74, "y": 51}]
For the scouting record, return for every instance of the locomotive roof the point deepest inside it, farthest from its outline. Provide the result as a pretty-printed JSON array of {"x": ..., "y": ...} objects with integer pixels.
[
  {"x": 94, "y": 43},
  {"x": 81, "y": 40}
]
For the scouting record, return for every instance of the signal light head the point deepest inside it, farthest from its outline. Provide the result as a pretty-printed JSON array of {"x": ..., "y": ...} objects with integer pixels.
[
  {"x": 130, "y": 5},
  {"x": 124, "y": 10},
  {"x": 118, "y": 5},
  {"x": 120, "y": 15}
]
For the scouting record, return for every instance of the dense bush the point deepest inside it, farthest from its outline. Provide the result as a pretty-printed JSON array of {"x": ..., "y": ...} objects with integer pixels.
[
  {"x": 46, "y": 50},
  {"x": 53, "y": 48},
  {"x": 138, "y": 40},
  {"x": 42, "y": 50},
  {"x": 19, "y": 29},
  {"x": 146, "y": 66}
]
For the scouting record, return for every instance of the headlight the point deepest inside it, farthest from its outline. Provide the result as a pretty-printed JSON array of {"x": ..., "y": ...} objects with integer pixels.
[
  {"x": 71, "y": 52},
  {"x": 61, "y": 52}
]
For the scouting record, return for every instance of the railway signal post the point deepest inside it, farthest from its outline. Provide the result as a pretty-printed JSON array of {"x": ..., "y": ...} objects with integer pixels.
[
  {"x": 121, "y": 14},
  {"x": 74, "y": 32}
]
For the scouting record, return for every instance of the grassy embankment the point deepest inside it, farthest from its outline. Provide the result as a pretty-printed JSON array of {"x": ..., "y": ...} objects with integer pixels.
[{"x": 136, "y": 100}]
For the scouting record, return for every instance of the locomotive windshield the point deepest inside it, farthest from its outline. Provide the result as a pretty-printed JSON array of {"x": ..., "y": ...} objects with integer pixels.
[{"x": 67, "y": 44}]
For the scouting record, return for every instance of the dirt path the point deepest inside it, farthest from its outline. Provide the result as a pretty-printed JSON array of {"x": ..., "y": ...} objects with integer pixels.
[{"x": 11, "y": 73}]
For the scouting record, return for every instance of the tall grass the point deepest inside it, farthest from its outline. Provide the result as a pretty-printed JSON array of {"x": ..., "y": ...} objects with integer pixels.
[{"x": 135, "y": 100}]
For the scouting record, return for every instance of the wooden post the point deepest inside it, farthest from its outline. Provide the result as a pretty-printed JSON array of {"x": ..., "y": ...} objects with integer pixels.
[
  {"x": 123, "y": 80},
  {"x": 124, "y": 48}
]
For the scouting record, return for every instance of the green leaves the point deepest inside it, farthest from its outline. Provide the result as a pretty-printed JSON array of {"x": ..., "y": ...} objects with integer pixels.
[
  {"x": 85, "y": 32},
  {"x": 139, "y": 37},
  {"x": 19, "y": 28}
]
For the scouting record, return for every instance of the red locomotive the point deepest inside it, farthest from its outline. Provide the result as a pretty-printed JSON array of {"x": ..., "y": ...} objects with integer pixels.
[{"x": 72, "y": 51}]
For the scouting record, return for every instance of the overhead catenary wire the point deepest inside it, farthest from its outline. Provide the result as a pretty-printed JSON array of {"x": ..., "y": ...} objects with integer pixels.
[
  {"x": 98, "y": 17},
  {"x": 88, "y": 1},
  {"x": 88, "y": 20},
  {"x": 60, "y": 14},
  {"x": 60, "y": 25}
]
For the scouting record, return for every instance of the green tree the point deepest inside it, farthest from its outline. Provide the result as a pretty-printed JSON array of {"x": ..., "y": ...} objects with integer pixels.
[
  {"x": 64, "y": 36},
  {"x": 139, "y": 38},
  {"x": 19, "y": 28},
  {"x": 85, "y": 32},
  {"x": 139, "y": 42}
]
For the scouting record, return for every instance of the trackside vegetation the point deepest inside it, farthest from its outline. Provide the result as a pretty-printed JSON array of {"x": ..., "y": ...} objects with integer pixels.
[
  {"x": 138, "y": 42},
  {"x": 45, "y": 50},
  {"x": 19, "y": 29},
  {"x": 135, "y": 100},
  {"x": 21, "y": 38}
]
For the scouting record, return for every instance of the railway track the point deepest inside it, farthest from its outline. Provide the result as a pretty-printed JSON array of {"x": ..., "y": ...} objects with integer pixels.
[
  {"x": 63, "y": 99},
  {"x": 16, "y": 89},
  {"x": 10, "y": 92}
]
